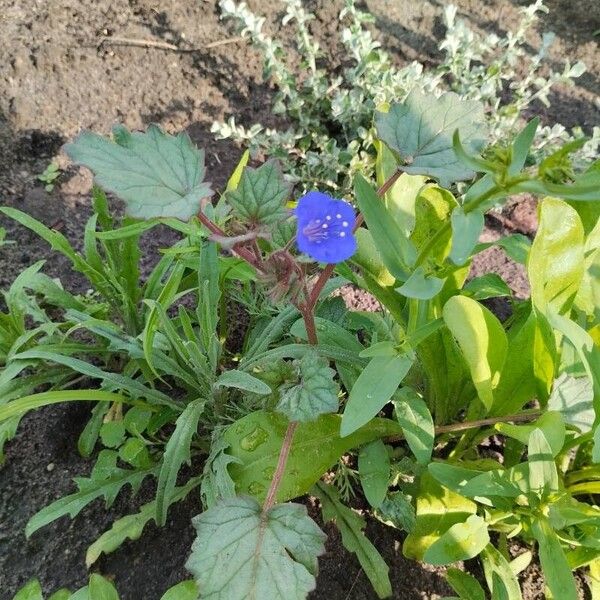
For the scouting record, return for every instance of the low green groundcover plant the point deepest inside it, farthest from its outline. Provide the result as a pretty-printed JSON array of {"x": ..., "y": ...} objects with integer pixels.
[{"x": 403, "y": 405}]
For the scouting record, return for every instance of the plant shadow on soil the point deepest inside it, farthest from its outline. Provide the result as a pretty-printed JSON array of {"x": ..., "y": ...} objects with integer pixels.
[{"x": 44, "y": 102}]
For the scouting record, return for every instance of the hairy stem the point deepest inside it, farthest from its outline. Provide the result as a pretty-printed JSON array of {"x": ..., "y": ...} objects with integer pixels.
[{"x": 280, "y": 470}]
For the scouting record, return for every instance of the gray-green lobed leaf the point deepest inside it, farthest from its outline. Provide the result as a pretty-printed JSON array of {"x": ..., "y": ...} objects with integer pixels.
[
  {"x": 421, "y": 128},
  {"x": 156, "y": 174},
  {"x": 241, "y": 553},
  {"x": 261, "y": 195},
  {"x": 315, "y": 394}
]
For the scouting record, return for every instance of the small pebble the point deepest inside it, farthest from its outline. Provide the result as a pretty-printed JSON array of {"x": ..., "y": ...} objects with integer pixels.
[{"x": 50, "y": 467}]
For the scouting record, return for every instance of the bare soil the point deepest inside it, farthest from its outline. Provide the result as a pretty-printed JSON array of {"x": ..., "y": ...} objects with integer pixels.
[{"x": 56, "y": 77}]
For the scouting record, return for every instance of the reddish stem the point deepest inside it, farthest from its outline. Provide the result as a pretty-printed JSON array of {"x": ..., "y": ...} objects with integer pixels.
[{"x": 280, "y": 470}]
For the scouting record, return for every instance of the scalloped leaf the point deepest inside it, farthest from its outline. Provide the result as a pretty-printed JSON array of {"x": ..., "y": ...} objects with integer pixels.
[
  {"x": 421, "y": 128},
  {"x": 156, "y": 174},
  {"x": 241, "y": 552}
]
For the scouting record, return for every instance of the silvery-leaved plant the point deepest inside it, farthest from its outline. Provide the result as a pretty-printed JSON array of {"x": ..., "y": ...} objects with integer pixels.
[{"x": 329, "y": 139}]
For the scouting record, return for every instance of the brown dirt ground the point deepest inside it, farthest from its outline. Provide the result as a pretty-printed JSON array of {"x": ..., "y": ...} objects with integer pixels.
[{"x": 56, "y": 79}]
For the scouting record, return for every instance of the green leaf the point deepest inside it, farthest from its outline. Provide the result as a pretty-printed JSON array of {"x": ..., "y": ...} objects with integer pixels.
[
  {"x": 261, "y": 194},
  {"x": 368, "y": 258},
  {"x": 487, "y": 286},
  {"x": 350, "y": 525},
  {"x": 465, "y": 585},
  {"x": 461, "y": 542},
  {"x": 314, "y": 395},
  {"x": 438, "y": 509},
  {"x": 373, "y": 390},
  {"x": 520, "y": 147},
  {"x": 415, "y": 419},
  {"x": 131, "y": 526},
  {"x": 62, "y": 594},
  {"x": 550, "y": 423},
  {"x": 268, "y": 555},
  {"x": 186, "y": 590},
  {"x": 32, "y": 590},
  {"x": 177, "y": 452},
  {"x": 397, "y": 511},
  {"x": 26, "y": 403},
  {"x": 499, "y": 574},
  {"x": 396, "y": 250},
  {"x": 112, "y": 433},
  {"x": 556, "y": 259},
  {"x": 421, "y": 286},
  {"x": 557, "y": 573},
  {"x": 156, "y": 174},
  {"x": 236, "y": 176},
  {"x": 543, "y": 476},
  {"x": 466, "y": 229},
  {"x": 573, "y": 398},
  {"x": 106, "y": 481},
  {"x": 242, "y": 381},
  {"x": 255, "y": 441},
  {"x": 421, "y": 130},
  {"x": 482, "y": 340},
  {"x": 101, "y": 589},
  {"x": 374, "y": 471},
  {"x": 216, "y": 480}
]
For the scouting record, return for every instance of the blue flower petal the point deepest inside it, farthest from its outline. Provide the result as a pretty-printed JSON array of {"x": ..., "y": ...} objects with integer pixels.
[{"x": 325, "y": 227}]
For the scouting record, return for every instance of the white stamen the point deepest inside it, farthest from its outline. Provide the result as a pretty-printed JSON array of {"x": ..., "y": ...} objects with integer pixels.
[
  {"x": 342, "y": 234},
  {"x": 338, "y": 216},
  {"x": 328, "y": 218},
  {"x": 324, "y": 226},
  {"x": 318, "y": 221},
  {"x": 345, "y": 223}
]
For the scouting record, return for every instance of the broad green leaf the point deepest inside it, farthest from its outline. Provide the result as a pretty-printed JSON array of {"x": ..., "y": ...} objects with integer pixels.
[
  {"x": 350, "y": 525},
  {"x": 465, "y": 585},
  {"x": 101, "y": 589},
  {"x": 156, "y": 174},
  {"x": 268, "y": 555},
  {"x": 177, "y": 452},
  {"x": 487, "y": 286},
  {"x": 421, "y": 129},
  {"x": 461, "y": 542},
  {"x": 62, "y": 594},
  {"x": 438, "y": 509},
  {"x": 432, "y": 212},
  {"x": 516, "y": 246},
  {"x": 454, "y": 477},
  {"x": 89, "y": 436},
  {"x": 556, "y": 259},
  {"x": 415, "y": 419},
  {"x": 131, "y": 526},
  {"x": 261, "y": 194},
  {"x": 482, "y": 340},
  {"x": 466, "y": 229},
  {"x": 32, "y": 590},
  {"x": 400, "y": 198},
  {"x": 550, "y": 423},
  {"x": 373, "y": 390},
  {"x": 573, "y": 398},
  {"x": 494, "y": 563},
  {"x": 588, "y": 295},
  {"x": 112, "y": 433},
  {"x": 242, "y": 381},
  {"x": 421, "y": 286},
  {"x": 315, "y": 394},
  {"x": 557, "y": 573},
  {"x": 543, "y": 476},
  {"x": 106, "y": 481},
  {"x": 396, "y": 250},
  {"x": 374, "y": 471},
  {"x": 186, "y": 590},
  {"x": 397, "y": 511},
  {"x": 255, "y": 441},
  {"x": 367, "y": 257}
]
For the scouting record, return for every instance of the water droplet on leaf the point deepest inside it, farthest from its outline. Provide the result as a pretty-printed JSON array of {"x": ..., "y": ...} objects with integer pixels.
[{"x": 254, "y": 439}]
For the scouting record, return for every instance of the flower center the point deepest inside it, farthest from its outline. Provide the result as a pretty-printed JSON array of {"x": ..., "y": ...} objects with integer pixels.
[
  {"x": 316, "y": 231},
  {"x": 319, "y": 230}
]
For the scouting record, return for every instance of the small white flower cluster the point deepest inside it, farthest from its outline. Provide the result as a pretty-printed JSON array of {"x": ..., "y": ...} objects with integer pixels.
[{"x": 330, "y": 134}]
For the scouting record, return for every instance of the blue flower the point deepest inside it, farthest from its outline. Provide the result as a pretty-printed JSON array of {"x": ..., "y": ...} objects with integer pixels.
[{"x": 325, "y": 228}]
